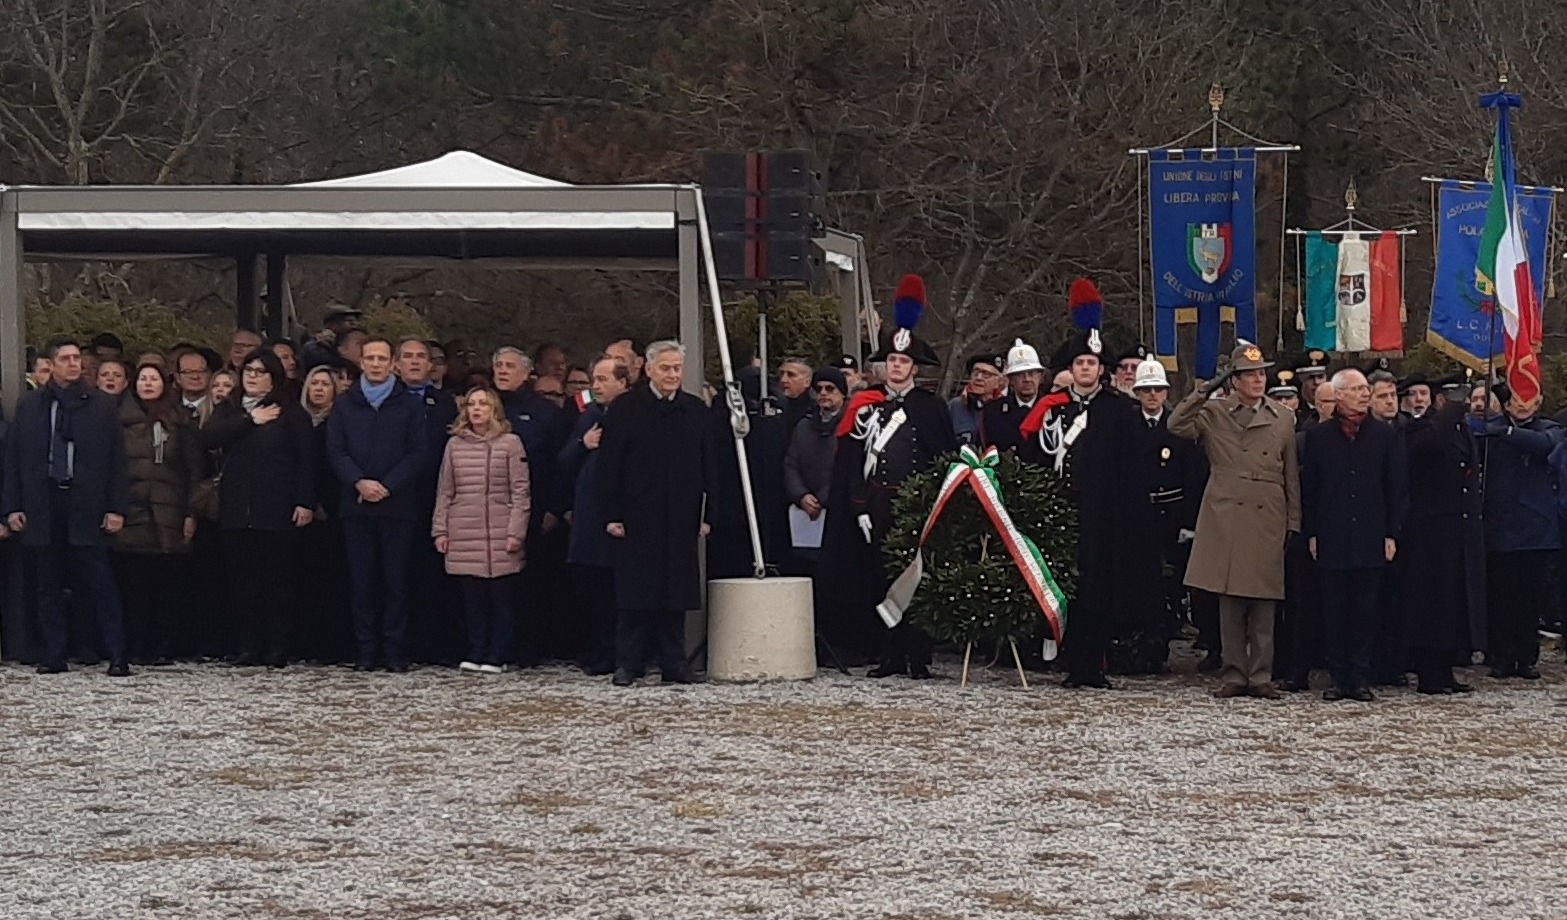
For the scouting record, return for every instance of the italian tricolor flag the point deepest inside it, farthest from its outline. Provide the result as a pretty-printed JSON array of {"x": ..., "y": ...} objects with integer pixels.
[{"x": 1502, "y": 270}]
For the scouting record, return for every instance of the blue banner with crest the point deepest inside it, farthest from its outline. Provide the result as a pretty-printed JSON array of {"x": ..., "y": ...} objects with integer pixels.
[
  {"x": 1461, "y": 316},
  {"x": 1203, "y": 247}
]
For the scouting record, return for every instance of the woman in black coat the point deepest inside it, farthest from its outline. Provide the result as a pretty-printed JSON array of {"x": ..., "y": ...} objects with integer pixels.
[
  {"x": 267, "y": 493},
  {"x": 321, "y": 557},
  {"x": 1443, "y": 553}
]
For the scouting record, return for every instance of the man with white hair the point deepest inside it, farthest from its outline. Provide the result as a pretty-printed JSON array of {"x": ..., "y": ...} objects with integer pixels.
[
  {"x": 1354, "y": 496},
  {"x": 1164, "y": 480},
  {"x": 658, "y": 478}
]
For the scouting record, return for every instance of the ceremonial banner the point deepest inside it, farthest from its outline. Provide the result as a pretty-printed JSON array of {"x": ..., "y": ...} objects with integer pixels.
[
  {"x": 1502, "y": 269},
  {"x": 1202, "y": 244},
  {"x": 1461, "y": 313},
  {"x": 1321, "y": 291}
]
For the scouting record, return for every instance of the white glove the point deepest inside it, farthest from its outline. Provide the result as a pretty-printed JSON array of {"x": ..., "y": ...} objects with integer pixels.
[
  {"x": 865, "y": 526},
  {"x": 1185, "y": 536}
]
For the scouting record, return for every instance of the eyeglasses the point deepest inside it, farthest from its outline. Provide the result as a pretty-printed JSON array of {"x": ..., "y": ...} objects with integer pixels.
[
  {"x": 825, "y": 388},
  {"x": 551, "y": 394},
  {"x": 255, "y": 372}
]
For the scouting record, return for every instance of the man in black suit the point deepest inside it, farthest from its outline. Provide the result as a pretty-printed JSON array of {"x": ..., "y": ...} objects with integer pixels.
[
  {"x": 657, "y": 476},
  {"x": 1354, "y": 496},
  {"x": 66, "y": 492}
]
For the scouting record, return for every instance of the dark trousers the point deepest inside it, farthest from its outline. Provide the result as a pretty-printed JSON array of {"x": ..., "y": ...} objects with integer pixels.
[
  {"x": 378, "y": 554},
  {"x": 1515, "y": 594},
  {"x": 491, "y": 619},
  {"x": 1300, "y": 638},
  {"x": 433, "y": 633},
  {"x": 663, "y": 630},
  {"x": 1390, "y": 655},
  {"x": 86, "y": 568},
  {"x": 152, "y": 589},
  {"x": 321, "y": 609},
  {"x": 1433, "y": 668},
  {"x": 1205, "y": 617},
  {"x": 906, "y": 644},
  {"x": 209, "y": 627},
  {"x": 1349, "y": 623},
  {"x": 261, "y": 579},
  {"x": 596, "y": 586}
]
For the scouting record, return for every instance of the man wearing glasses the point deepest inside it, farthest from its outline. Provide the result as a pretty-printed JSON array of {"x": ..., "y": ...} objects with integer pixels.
[
  {"x": 984, "y": 383},
  {"x": 193, "y": 378}
]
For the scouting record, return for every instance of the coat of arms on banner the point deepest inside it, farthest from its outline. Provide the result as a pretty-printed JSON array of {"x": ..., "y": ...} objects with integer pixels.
[
  {"x": 1351, "y": 290},
  {"x": 1209, "y": 250}
]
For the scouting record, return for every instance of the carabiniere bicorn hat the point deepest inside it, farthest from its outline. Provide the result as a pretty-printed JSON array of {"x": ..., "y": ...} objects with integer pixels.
[
  {"x": 908, "y": 305},
  {"x": 1248, "y": 357}
]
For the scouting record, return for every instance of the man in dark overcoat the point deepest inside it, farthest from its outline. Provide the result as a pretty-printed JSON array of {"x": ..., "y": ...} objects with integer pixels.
[
  {"x": 658, "y": 474},
  {"x": 1443, "y": 550},
  {"x": 66, "y": 491},
  {"x": 1354, "y": 498}
]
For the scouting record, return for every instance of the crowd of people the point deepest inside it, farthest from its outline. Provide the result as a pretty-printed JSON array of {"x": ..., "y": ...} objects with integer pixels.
[
  {"x": 350, "y": 499},
  {"x": 357, "y": 500}
]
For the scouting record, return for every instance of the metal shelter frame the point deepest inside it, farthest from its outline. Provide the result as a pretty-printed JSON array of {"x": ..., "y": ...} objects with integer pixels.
[{"x": 245, "y": 223}]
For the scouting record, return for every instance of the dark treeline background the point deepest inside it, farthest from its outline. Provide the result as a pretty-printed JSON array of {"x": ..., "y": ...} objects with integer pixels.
[{"x": 980, "y": 142}]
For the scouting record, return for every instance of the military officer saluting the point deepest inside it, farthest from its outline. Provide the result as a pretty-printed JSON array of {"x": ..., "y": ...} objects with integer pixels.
[
  {"x": 888, "y": 434},
  {"x": 999, "y": 423}
]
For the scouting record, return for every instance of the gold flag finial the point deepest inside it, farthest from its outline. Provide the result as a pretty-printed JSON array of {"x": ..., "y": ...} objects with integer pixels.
[
  {"x": 1351, "y": 196},
  {"x": 1215, "y": 98},
  {"x": 1502, "y": 71}
]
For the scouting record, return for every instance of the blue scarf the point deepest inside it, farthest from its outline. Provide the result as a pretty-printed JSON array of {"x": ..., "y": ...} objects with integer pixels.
[{"x": 376, "y": 394}]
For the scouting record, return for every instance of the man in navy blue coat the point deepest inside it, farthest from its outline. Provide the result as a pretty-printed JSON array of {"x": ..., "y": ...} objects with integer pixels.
[
  {"x": 433, "y": 635},
  {"x": 376, "y": 443},
  {"x": 543, "y": 427},
  {"x": 1354, "y": 497},
  {"x": 66, "y": 492}
]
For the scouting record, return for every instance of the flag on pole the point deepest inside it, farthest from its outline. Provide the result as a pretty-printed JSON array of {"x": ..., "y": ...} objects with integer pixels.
[
  {"x": 1354, "y": 294},
  {"x": 1321, "y": 291},
  {"x": 1502, "y": 268}
]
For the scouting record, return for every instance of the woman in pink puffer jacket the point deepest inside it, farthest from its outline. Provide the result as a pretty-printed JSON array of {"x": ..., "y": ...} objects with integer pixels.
[{"x": 481, "y": 521}]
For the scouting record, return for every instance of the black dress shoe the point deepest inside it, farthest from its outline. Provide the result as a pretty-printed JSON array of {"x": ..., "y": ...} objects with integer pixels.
[
  {"x": 57, "y": 667},
  {"x": 1293, "y": 686},
  {"x": 919, "y": 672},
  {"x": 1501, "y": 671},
  {"x": 676, "y": 677},
  {"x": 364, "y": 665},
  {"x": 1212, "y": 661},
  {"x": 397, "y": 667},
  {"x": 119, "y": 669},
  {"x": 1460, "y": 687},
  {"x": 623, "y": 678},
  {"x": 1362, "y": 695},
  {"x": 1528, "y": 672},
  {"x": 1334, "y": 694},
  {"x": 887, "y": 670},
  {"x": 1088, "y": 681}
]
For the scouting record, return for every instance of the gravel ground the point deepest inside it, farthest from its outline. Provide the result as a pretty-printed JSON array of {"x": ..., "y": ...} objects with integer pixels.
[{"x": 203, "y": 791}]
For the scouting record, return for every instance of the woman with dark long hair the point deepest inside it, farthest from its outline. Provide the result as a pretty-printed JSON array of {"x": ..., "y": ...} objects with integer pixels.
[
  {"x": 268, "y": 492},
  {"x": 152, "y": 552}
]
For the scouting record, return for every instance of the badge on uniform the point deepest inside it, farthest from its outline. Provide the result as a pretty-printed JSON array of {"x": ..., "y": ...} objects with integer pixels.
[{"x": 1164, "y": 453}]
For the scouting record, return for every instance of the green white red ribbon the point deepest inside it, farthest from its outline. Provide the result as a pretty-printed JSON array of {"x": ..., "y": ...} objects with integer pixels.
[{"x": 979, "y": 473}]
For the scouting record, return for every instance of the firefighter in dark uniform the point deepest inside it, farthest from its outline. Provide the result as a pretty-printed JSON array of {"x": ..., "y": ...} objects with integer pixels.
[
  {"x": 999, "y": 422},
  {"x": 888, "y": 434},
  {"x": 1165, "y": 477}
]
